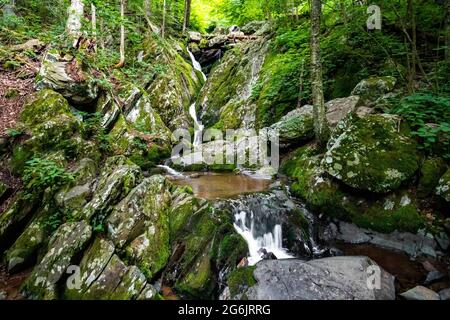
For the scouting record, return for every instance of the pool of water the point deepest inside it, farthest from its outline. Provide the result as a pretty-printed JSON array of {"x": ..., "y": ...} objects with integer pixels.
[{"x": 215, "y": 186}]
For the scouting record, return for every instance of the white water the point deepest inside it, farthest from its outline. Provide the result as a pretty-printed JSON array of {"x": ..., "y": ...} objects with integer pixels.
[
  {"x": 196, "y": 64},
  {"x": 198, "y": 127},
  {"x": 271, "y": 241},
  {"x": 171, "y": 171}
]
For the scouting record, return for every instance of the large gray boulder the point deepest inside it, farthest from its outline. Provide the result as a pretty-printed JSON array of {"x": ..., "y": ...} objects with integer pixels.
[
  {"x": 443, "y": 189},
  {"x": 339, "y": 278}
]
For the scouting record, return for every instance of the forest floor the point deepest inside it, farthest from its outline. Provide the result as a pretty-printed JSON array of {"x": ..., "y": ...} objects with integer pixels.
[{"x": 15, "y": 86}]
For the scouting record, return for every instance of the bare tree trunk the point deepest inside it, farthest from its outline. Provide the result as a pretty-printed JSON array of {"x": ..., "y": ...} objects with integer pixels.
[
  {"x": 75, "y": 14},
  {"x": 148, "y": 8},
  {"x": 122, "y": 35},
  {"x": 187, "y": 15},
  {"x": 412, "y": 22},
  {"x": 101, "y": 40},
  {"x": 320, "y": 120},
  {"x": 163, "y": 27},
  {"x": 94, "y": 25},
  {"x": 9, "y": 9}
]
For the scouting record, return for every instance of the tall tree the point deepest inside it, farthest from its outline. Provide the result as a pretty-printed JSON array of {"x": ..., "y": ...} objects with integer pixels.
[
  {"x": 74, "y": 21},
  {"x": 163, "y": 27},
  {"x": 122, "y": 35},
  {"x": 187, "y": 15},
  {"x": 320, "y": 120}
]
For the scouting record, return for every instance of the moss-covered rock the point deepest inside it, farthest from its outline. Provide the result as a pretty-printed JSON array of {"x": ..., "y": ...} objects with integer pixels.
[
  {"x": 225, "y": 98},
  {"x": 141, "y": 223},
  {"x": 443, "y": 188},
  {"x": 118, "y": 177},
  {"x": 373, "y": 154},
  {"x": 372, "y": 88},
  {"x": 80, "y": 89},
  {"x": 68, "y": 241},
  {"x": 130, "y": 287},
  {"x": 175, "y": 87},
  {"x": 431, "y": 171},
  {"x": 296, "y": 126},
  {"x": 395, "y": 211},
  {"x": 94, "y": 261},
  {"x": 3, "y": 189},
  {"x": 240, "y": 280}
]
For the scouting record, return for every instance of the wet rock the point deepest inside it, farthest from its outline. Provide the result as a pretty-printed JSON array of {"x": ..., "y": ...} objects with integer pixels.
[
  {"x": 93, "y": 263},
  {"x": 420, "y": 293},
  {"x": 443, "y": 241},
  {"x": 64, "y": 75},
  {"x": 372, "y": 142},
  {"x": 338, "y": 278},
  {"x": 443, "y": 188},
  {"x": 434, "y": 276},
  {"x": 374, "y": 87},
  {"x": 444, "y": 294},
  {"x": 68, "y": 241}
]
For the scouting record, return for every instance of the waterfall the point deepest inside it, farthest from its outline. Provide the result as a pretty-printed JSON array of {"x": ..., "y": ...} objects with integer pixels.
[
  {"x": 171, "y": 171},
  {"x": 196, "y": 64},
  {"x": 258, "y": 245},
  {"x": 198, "y": 127}
]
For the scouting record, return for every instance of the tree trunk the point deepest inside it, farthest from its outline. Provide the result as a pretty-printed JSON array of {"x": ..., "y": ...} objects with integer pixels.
[
  {"x": 9, "y": 9},
  {"x": 75, "y": 14},
  {"x": 163, "y": 27},
  {"x": 412, "y": 21},
  {"x": 187, "y": 15},
  {"x": 148, "y": 8},
  {"x": 94, "y": 25},
  {"x": 122, "y": 35},
  {"x": 320, "y": 120}
]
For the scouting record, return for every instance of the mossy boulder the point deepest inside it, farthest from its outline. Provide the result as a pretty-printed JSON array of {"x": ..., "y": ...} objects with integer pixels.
[
  {"x": 384, "y": 213},
  {"x": 443, "y": 188},
  {"x": 94, "y": 261},
  {"x": 225, "y": 99},
  {"x": 141, "y": 222},
  {"x": 431, "y": 171},
  {"x": 68, "y": 241},
  {"x": 372, "y": 153},
  {"x": 174, "y": 88},
  {"x": 74, "y": 84},
  {"x": 118, "y": 177},
  {"x": 296, "y": 126},
  {"x": 372, "y": 88},
  {"x": 241, "y": 280}
]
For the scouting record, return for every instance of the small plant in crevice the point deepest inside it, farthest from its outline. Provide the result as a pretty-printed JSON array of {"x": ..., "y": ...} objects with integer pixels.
[
  {"x": 41, "y": 174},
  {"x": 93, "y": 130}
]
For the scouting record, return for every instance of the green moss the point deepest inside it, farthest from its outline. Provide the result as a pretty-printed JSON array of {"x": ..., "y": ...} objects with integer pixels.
[
  {"x": 20, "y": 155},
  {"x": 240, "y": 280},
  {"x": 431, "y": 171}
]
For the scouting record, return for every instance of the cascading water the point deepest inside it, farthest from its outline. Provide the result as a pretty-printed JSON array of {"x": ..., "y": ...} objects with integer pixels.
[
  {"x": 258, "y": 218},
  {"x": 196, "y": 64},
  {"x": 197, "y": 126},
  {"x": 192, "y": 110},
  {"x": 171, "y": 171}
]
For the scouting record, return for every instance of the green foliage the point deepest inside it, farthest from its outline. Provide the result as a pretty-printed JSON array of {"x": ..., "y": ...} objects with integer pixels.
[
  {"x": 41, "y": 174},
  {"x": 429, "y": 116},
  {"x": 93, "y": 130}
]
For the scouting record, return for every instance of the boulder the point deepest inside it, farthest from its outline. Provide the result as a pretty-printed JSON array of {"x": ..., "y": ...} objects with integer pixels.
[
  {"x": 431, "y": 171},
  {"x": 338, "y": 109},
  {"x": 118, "y": 177},
  {"x": 420, "y": 293},
  {"x": 338, "y": 278},
  {"x": 372, "y": 154},
  {"x": 372, "y": 88},
  {"x": 195, "y": 36},
  {"x": 64, "y": 75},
  {"x": 445, "y": 294},
  {"x": 94, "y": 261},
  {"x": 443, "y": 188},
  {"x": 297, "y": 125},
  {"x": 140, "y": 221},
  {"x": 68, "y": 241}
]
